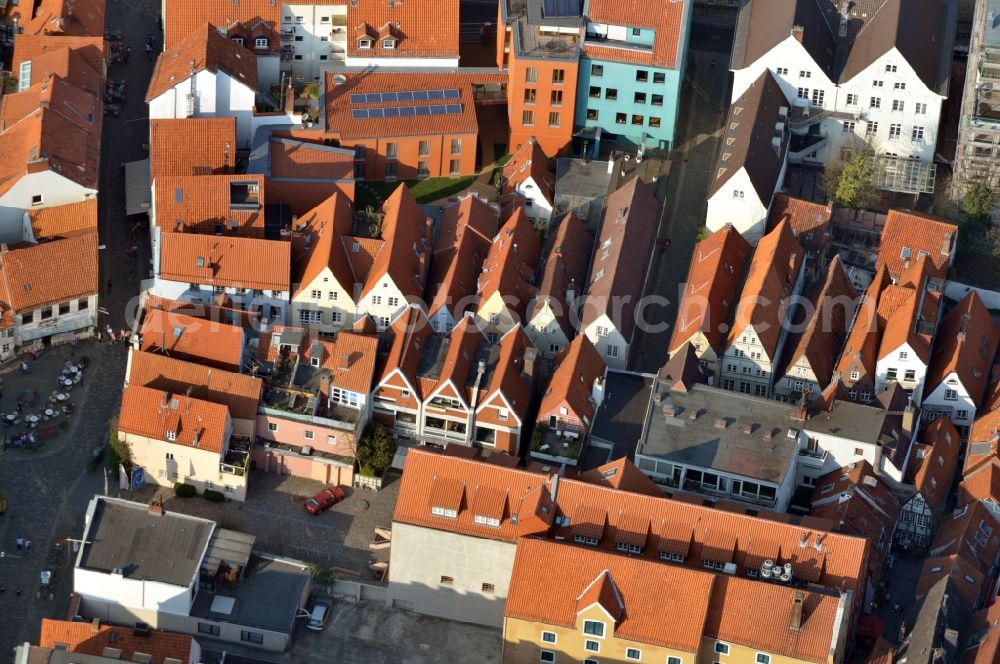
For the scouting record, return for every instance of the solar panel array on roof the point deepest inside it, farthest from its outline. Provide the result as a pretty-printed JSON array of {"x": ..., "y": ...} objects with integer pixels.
[
  {"x": 405, "y": 111},
  {"x": 411, "y": 95}
]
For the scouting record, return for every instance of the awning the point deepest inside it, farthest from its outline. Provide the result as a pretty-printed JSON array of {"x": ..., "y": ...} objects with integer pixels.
[
  {"x": 229, "y": 547},
  {"x": 138, "y": 184}
]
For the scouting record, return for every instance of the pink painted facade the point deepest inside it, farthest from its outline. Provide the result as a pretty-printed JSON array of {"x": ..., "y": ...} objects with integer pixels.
[{"x": 331, "y": 458}]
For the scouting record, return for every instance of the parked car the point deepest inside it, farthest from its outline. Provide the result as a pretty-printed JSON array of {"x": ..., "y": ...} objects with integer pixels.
[
  {"x": 325, "y": 499},
  {"x": 319, "y": 613}
]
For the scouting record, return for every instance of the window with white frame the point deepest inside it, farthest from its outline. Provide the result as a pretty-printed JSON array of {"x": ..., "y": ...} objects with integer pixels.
[
  {"x": 310, "y": 317},
  {"x": 899, "y": 85},
  {"x": 918, "y": 135},
  {"x": 592, "y": 646},
  {"x": 611, "y": 351},
  {"x": 260, "y": 42},
  {"x": 442, "y": 511},
  {"x": 852, "y": 99},
  {"x": 920, "y": 108},
  {"x": 855, "y": 375},
  {"x": 961, "y": 414},
  {"x": 316, "y": 294},
  {"x": 763, "y": 658},
  {"x": 891, "y": 69},
  {"x": 593, "y": 628},
  {"x": 950, "y": 395},
  {"x": 272, "y": 426},
  {"x": 171, "y": 435},
  {"x": 548, "y": 637},
  {"x": 345, "y": 397},
  {"x": 895, "y": 130},
  {"x": 803, "y": 93},
  {"x": 487, "y": 521},
  {"x": 602, "y": 331}
]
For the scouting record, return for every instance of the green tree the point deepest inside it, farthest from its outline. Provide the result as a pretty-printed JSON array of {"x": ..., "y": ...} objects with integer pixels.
[
  {"x": 978, "y": 200},
  {"x": 120, "y": 450},
  {"x": 854, "y": 182},
  {"x": 376, "y": 449},
  {"x": 324, "y": 577}
]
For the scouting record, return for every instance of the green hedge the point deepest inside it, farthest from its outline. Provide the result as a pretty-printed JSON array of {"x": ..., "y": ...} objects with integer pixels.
[
  {"x": 184, "y": 490},
  {"x": 214, "y": 496}
]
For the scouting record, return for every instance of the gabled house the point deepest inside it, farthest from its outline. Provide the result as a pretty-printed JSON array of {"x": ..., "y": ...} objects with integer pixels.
[
  {"x": 758, "y": 333},
  {"x": 96, "y": 641},
  {"x": 710, "y": 292},
  {"x": 751, "y": 162},
  {"x": 941, "y": 615},
  {"x": 960, "y": 362},
  {"x": 397, "y": 271},
  {"x": 250, "y": 272},
  {"x": 551, "y": 319},
  {"x": 404, "y": 36},
  {"x": 322, "y": 282},
  {"x": 192, "y": 146},
  {"x": 529, "y": 179},
  {"x": 206, "y": 74},
  {"x": 397, "y": 397},
  {"x": 857, "y": 363},
  {"x": 810, "y": 224},
  {"x": 467, "y": 231},
  {"x": 568, "y": 404},
  {"x": 970, "y": 538},
  {"x": 507, "y": 283},
  {"x": 619, "y": 269},
  {"x": 810, "y": 366},
  {"x": 984, "y": 436},
  {"x": 623, "y": 475},
  {"x": 907, "y": 236},
  {"x": 181, "y": 439},
  {"x": 931, "y": 472},
  {"x": 505, "y": 391}
]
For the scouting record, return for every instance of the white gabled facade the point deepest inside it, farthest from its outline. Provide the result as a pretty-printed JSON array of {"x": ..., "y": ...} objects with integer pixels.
[
  {"x": 902, "y": 365},
  {"x": 208, "y": 95},
  {"x": 442, "y": 320},
  {"x": 383, "y": 301},
  {"x": 323, "y": 304},
  {"x": 33, "y": 191},
  {"x": 791, "y": 65},
  {"x": 950, "y": 397},
  {"x": 313, "y": 36},
  {"x": 746, "y": 366},
  {"x": 545, "y": 332},
  {"x": 739, "y": 204},
  {"x": 609, "y": 341},
  {"x": 536, "y": 206}
]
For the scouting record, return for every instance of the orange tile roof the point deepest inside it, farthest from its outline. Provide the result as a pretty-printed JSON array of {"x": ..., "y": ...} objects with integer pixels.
[
  {"x": 711, "y": 288},
  {"x": 810, "y": 221},
  {"x": 669, "y": 22},
  {"x": 981, "y": 483},
  {"x": 350, "y": 360},
  {"x": 361, "y": 255},
  {"x": 294, "y": 159},
  {"x": 833, "y": 560},
  {"x": 339, "y": 108},
  {"x": 903, "y": 326},
  {"x": 905, "y": 229},
  {"x": 327, "y": 223},
  {"x": 509, "y": 268},
  {"x": 85, "y": 638},
  {"x": 966, "y": 345},
  {"x": 529, "y": 161},
  {"x": 203, "y": 204},
  {"x": 622, "y": 475},
  {"x": 958, "y": 534},
  {"x": 179, "y": 335},
  {"x": 865, "y": 333},
  {"x": 62, "y": 221},
  {"x": 407, "y": 337},
  {"x": 407, "y": 233},
  {"x": 986, "y": 427},
  {"x": 31, "y": 282},
  {"x": 28, "y": 47},
  {"x": 467, "y": 230},
  {"x": 966, "y": 579},
  {"x": 663, "y": 604},
  {"x": 508, "y": 377},
  {"x": 768, "y": 287},
  {"x": 419, "y": 31},
  {"x": 181, "y": 17},
  {"x": 192, "y": 146},
  {"x": 567, "y": 257},
  {"x": 238, "y": 392},
  {"x": 740, "y": 607},
  {"x": 157, "y": 414},
  {"x": 69, "y": 64},
  {"x": 209, "y": 50},
  {"x": 227, "y": 261},
  {"x": 936, "y": 459},
  {"x": 73, "y": 103},
  {"x": 622, "y": 254},
  {"x": 78, "y": 18},
  {"x": 857, "y": 502},
  {"x": 572, "y": 382},
  {"x": 823, "y": 339}
]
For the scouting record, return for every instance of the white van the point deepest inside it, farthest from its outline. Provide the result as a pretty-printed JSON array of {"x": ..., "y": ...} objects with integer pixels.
[{"x": 319, "y": 614}]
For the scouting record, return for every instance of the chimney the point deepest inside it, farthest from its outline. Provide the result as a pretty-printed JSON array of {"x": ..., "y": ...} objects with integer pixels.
[
  {"x": 597, "y": 394},
  {"x": 946, "y": 245},
  {"x": 798, "y": 32},
  {"x": 289, "y": 97},
  {"x": 721, "y": 423},
  {"x": 345, "y": 362},
  {"x": 795, "y": 622},
  {"x": 422, "y": 270},
  {"x": 155, "y": 507},
  {"x": 611, "y": 166},
  {"x": 95, "y": 625},
  {"x": 909, "y": 418},
  {"x": 793, "y": 262},
  {"x": 530, "y": 360}
]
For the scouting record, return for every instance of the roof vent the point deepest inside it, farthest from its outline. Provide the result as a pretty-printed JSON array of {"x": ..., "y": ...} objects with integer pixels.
[
  {"x": 721, "y": 423},
  {"x": 339, "y": 79}
]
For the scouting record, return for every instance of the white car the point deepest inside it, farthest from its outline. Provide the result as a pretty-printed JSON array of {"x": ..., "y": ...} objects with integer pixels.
[{"x": 319, "y": 614}]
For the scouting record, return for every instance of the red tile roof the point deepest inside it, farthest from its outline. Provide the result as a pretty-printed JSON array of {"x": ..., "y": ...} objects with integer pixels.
[
  {"x": 78, "y": 18},
  {"x": 204, "y": 204},
  {"x": 622, "y": 254},
  {"x": 62, "y": 221},
  {"x": 179, "y": 335},
  {"x": 669, "y": 21},
  {"x": 865, "y": 332},
  {"x": 935, "y": 459},
  {"x": 857, "y": 502},
  {"x": 459, "y": 355},
  {"x": 31, "y": 282},
  {"x": 237, "y": 392},
  {"x": 191, "y": 146},
  {"x": 181, "y": 17},
  {"x": 327, "y": 223},
  {"x": 908, "y": 324},
  {"x": 650, "y": 602},
  {"x": 959, "y": 534},
  {"x": 622, "y": 475},
  {"x": 226, "y": 261},
  {"x": 407, "y": 338},
  {"x": 339, "y": 117},
  {"x": 529, "y": 162},
  {"x": 88, "y": 639},
  {"x": 419, "y": 33},
  {"x": 350, "y": 360},
  {"x": 209, "y": 50},
  {"x": 509, "y": 268},
  {"x": 467, "y": 230},
  {"x": 834, "y": 560},
  {"x": 711, "y": 288},
  {"x": 567, "y": 258},
  {"x": 508, "y": 376},
  {"x": 768, "y": 288},
  {"x": 298, "y": 160},
  {"x": 572, "y": 382},
  {"x": 984, "y": 637},
  {"x": 158, "y": 414},
  {"x": 981, "y": 483},
  {"x": 966, "y": 345},
  {"x": 28, "y": 47},
  {"x": 986, "y": 427},
  {"x": 810, "y": 221},
  {"x": 907, "y": 230},
  {"x": 966, "y": 578},
  {"x": 69, "y": 64},
  {"x": 406, "y": 232}
]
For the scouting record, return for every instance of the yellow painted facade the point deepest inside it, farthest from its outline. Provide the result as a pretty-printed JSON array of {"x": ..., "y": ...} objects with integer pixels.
[
  {"x": 739, "y": 654},
  {"x": 324, "y": 294}
]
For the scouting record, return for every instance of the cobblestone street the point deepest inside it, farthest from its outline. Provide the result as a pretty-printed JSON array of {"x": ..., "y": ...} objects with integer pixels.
[{"x": 48, "y": 489}]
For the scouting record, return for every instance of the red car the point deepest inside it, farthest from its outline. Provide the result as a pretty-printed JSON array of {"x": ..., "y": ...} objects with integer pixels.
[{"x": 325, "y": 499}]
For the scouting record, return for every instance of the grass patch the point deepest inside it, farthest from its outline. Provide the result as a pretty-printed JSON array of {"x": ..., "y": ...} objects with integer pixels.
[{"x": 425, "y": 190}]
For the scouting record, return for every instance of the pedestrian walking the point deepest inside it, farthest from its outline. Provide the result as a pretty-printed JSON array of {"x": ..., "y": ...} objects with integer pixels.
[
  {"x": 17, "y": 591},
  {"x": 109, "y": 285},
  {"x": 149, "y": 51},
  {"x": 72, "y": 347},
  {"x": 111, "y": 334},
  {"x": 123, "y": 334},
  {"x": 27, "y": 544},
  {"x": 20, "y": 543},
  {"x": 25, "y": 369},
  {"x": 128, "y": 52}
]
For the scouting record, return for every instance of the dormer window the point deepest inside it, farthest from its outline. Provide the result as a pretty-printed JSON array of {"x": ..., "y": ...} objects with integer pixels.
[
  {"x": 389, "y": 43},
  {"x": 444, "y": 511},
  {"x": 487, "y": 521},
  {"x": 171, "y": 436},
  {"x": 260, "y": 42},
  {"x": 364, "y": 43},
  {"x": 238, "y": 40}
]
